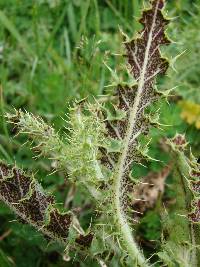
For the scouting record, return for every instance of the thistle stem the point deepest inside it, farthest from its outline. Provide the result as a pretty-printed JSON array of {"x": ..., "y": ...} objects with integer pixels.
[{"x": 124, "y": 228}]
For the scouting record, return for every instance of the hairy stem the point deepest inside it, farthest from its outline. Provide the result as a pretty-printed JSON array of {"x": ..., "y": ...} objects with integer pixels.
[
  {"x": 125, "y": 230},
  {"x": 118, "y": 186}
]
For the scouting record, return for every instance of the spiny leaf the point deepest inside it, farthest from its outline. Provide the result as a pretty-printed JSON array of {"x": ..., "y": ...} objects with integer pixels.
[
  {"x": 47, "y": 141},
  {"x": 26, "y": 197},
  {"x": 28, "y": 200},
  {"x": 190, "y": 169},
  {"x": 182, "y": 235},
  {"x": 77, "y": 153},
  {"x": 145, "y": 64}
]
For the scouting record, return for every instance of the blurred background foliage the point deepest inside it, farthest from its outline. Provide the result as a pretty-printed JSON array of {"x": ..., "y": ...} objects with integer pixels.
[{"x": 55, "y": 51}]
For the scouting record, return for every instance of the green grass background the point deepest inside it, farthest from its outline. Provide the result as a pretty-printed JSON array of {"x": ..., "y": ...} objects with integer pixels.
[{"x": 53, "y": 52}]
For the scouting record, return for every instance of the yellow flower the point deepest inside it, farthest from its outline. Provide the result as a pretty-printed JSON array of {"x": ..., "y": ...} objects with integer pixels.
[{"x": 190, "y": 113}]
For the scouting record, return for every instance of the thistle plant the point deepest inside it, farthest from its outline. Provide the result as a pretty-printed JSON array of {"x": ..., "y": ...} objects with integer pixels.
[{"x": 102, "y": 142}]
